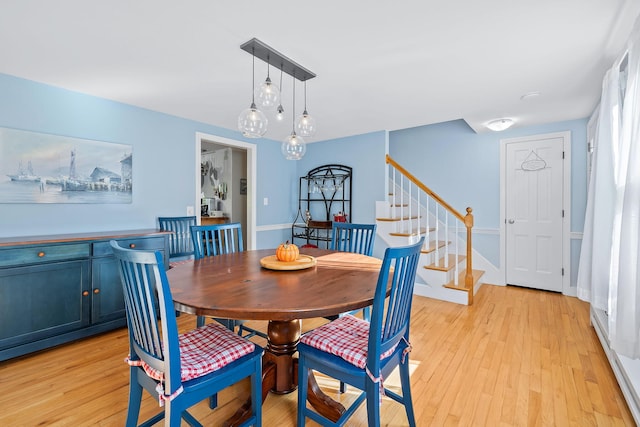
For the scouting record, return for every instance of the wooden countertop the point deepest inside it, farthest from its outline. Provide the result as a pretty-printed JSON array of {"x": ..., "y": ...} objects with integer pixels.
[{"x": 72, "y": 237}]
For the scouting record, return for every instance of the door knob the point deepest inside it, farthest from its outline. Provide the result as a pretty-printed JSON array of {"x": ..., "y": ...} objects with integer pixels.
[{"x": 511, "y": 221}]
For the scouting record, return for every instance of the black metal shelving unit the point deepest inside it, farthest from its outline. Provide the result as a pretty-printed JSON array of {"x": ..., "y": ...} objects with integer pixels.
[{"x": 324, "y": 195}]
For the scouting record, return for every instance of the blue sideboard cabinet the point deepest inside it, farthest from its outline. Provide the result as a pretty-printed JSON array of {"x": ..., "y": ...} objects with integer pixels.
[{"x": 55, "y": 289}]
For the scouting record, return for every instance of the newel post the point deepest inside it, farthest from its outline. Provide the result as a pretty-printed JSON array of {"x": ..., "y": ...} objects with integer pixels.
[{"x": 468, "y": 277}]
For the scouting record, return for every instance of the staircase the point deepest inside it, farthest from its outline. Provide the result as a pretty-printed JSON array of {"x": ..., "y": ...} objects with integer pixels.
[{"x": 411, "y": 211}]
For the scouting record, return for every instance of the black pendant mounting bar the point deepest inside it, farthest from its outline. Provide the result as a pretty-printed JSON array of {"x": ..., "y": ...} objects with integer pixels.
[{"x": 275, "y": 58}]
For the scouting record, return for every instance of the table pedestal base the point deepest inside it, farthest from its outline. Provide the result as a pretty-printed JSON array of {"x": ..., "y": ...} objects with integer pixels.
[{"x": 280, "y": 373}]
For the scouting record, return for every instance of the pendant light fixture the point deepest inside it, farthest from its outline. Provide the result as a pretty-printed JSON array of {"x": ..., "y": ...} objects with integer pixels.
[
  {"x": 305, "y": 124},
  {"x": 293, "y": 147},
  {"x": 280, "y": 109},
  {"x": 252, "y": 122},
  {"x": 268, "y": 94}
]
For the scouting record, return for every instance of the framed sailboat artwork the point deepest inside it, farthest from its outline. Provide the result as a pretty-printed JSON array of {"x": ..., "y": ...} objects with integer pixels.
[{"x": 45, "y": 168}]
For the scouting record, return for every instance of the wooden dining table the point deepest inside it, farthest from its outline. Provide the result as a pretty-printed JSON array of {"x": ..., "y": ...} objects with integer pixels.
[{"x": 237, "y": 286}]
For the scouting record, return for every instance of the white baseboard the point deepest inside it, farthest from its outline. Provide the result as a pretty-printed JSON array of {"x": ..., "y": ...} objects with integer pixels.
[{"x": 627, "y": 371}]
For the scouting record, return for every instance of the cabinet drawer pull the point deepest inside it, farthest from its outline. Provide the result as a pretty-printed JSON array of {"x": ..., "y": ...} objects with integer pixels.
[
  {"x": 96, "y": 291},
  {"x": 40, "y": 254},
  {"x": 132, "y": 245},
  {"x": 85, "y": 293}
]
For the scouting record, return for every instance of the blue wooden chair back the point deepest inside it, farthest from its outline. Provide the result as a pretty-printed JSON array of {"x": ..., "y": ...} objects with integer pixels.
[
  {"x": 216, "y": 239},
  {"x": 180, "y": 244},
  {"x": 147, "y": 293},
  {"x": 388, "y": 335},
  {"x": 220, "y": 239},
  {"x": 357, "y": 238},
  {"x": 390, "y": 321},
  {"x": 157, "y": 344}
]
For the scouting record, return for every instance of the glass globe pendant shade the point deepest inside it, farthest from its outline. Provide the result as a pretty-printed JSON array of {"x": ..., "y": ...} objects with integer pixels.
[
  {"x": 306, "y": 125},
  {"x": 267, "y": 94},
  {"x": 280, "y": 113},
  {"x": 252, "y": 122},
  {"x": 294, "y": 147}
]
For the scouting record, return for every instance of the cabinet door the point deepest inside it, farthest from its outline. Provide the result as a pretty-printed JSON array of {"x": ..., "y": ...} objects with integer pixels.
[
  {"x": 107, "y": 301},
  {"x": 107, "y": 295},
  {"x": 42, "y": 301}
]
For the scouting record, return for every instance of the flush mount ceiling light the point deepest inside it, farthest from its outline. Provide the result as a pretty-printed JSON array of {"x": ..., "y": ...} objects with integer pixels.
[
  {"x": 265, "y": 97},
  {"x": 500, "y": 124}
]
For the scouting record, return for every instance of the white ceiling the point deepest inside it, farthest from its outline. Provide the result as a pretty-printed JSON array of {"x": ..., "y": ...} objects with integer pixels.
[{"x": 379, "y": 66}]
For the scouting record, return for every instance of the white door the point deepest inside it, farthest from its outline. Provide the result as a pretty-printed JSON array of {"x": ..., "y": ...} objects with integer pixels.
[{"x": 534, "y": 212}]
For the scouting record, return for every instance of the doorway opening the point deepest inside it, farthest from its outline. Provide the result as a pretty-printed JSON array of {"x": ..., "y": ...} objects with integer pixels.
[{"x": 240, "y": 185}]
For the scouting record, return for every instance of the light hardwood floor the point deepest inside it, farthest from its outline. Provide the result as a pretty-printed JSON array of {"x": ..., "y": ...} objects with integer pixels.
[{"x": 517, "y": 357}]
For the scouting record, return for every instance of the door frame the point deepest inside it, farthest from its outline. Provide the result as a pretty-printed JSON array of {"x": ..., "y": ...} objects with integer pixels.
[
  {"x": 252, "y": 169},
  {"x": 566, "y": 205}
]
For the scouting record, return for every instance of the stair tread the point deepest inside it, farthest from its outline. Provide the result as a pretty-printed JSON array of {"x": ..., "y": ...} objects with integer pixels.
[
  {"x": 431, "y": 246},
  {"x": 397, "y": 219},
  {"x": 408, "y": 233},
  {"x": 440, "y": 265},
  {"x": 477, "y": 274}
]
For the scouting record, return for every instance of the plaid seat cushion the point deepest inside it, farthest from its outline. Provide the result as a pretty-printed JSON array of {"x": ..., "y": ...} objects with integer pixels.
[
  {"x": 205, "y": 350},
  {"x": 346, "y": 337}
]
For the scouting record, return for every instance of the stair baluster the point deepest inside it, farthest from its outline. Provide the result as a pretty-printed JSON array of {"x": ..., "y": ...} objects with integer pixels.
[{"x": 432, "y": 212}]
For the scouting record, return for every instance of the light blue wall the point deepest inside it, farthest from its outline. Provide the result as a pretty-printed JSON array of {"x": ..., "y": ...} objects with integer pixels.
[
  {"x": 464, "y": 168},
  {"x": 366, "y": 155},
  {"x": 163, "y": 167},
  {"x": 454, "y": 161}
]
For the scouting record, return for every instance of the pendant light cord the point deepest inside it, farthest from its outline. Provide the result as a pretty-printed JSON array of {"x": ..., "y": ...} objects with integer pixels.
[
  {"x": 268, "y": 67},
  {"x": 305, "y": 95},
  {"x": 253, "y": 75},
  {"x": 293, "y": 112}
]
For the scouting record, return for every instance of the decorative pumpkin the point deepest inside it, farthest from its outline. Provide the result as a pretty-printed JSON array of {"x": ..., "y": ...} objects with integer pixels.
[{"x": 287, "y": 252}]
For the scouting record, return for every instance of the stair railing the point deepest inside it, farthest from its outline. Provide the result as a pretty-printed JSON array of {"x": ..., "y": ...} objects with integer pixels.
[{"x": 436, "y": 206}]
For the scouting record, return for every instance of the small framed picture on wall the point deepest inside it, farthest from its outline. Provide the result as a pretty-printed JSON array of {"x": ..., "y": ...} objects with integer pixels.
[{"x": 243, "y": 186}]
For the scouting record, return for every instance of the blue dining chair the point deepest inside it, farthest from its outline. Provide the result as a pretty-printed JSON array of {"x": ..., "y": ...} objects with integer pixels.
[
  {"x": 179, "y": 369},
  {"x": 220, "y": 239},
  {"x": 356, "y": 238},
  {"x": 180, "y": 244},
  {"x": 362, "y": 353}
]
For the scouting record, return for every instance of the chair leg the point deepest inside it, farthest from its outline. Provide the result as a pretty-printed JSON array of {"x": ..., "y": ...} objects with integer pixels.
[
  {"x": 405, "y": 380},
  {"x": 135, "y": 398},
  {"x": 256, "y": 392},
  {"x": 303, "y": 379},
  {"x": 213, "y": 401},
  {"x": 172, "y": 414},
  {"x": 373, "y": 404},
  {"x": 199, "y": 321}
]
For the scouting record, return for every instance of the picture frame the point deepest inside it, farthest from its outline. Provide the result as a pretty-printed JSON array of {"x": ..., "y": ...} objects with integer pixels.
[{"x": 45, "y": 168}]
